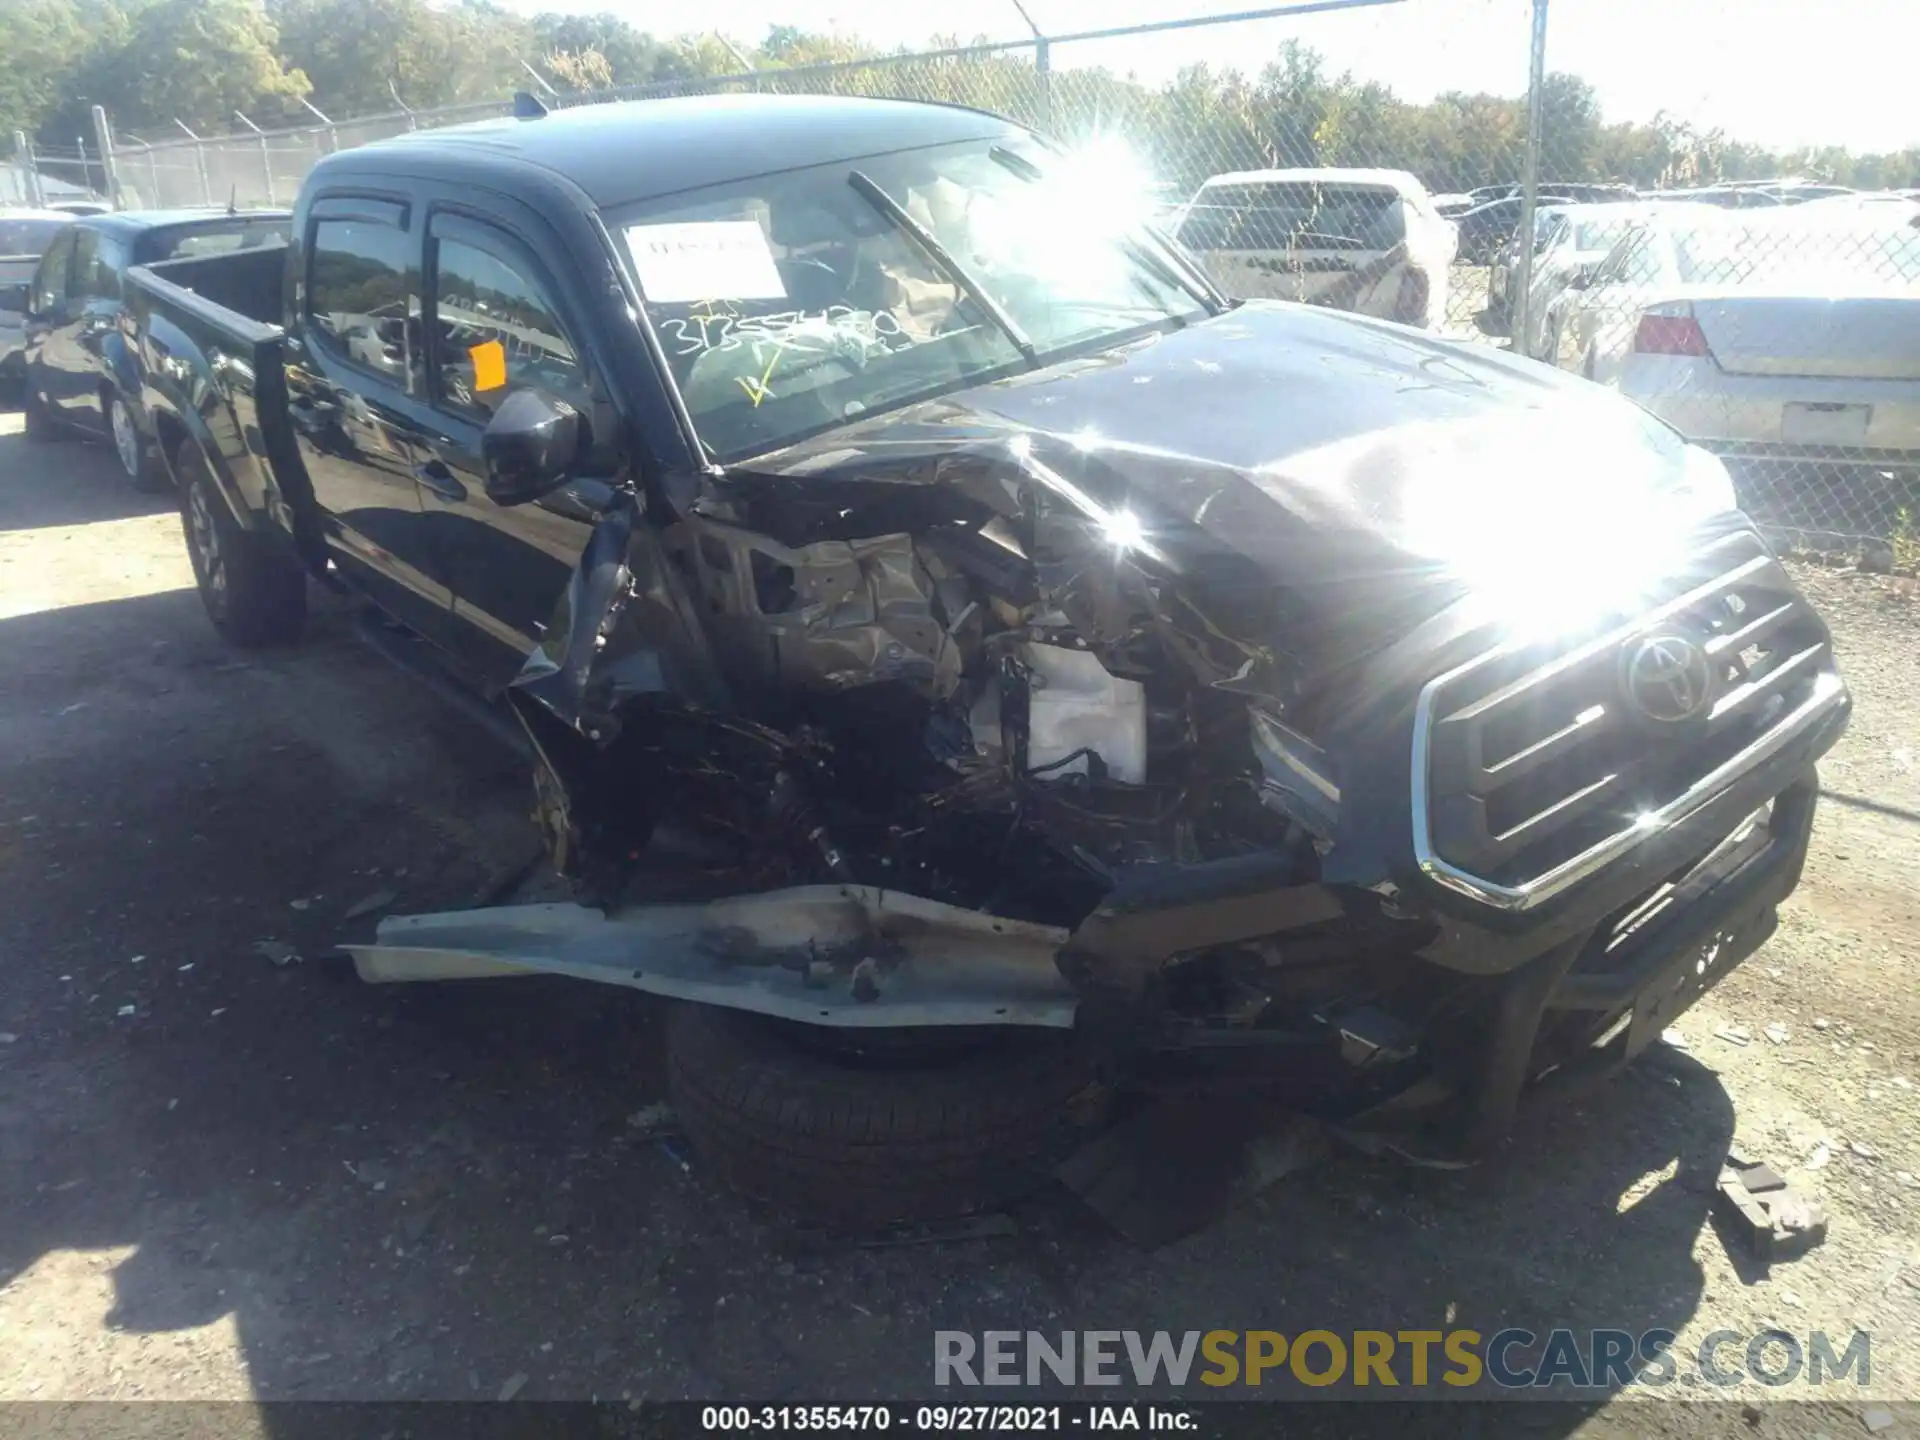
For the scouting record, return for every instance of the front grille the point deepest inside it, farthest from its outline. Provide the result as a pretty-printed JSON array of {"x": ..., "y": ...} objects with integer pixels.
[{"x": 1532, "y": 768}]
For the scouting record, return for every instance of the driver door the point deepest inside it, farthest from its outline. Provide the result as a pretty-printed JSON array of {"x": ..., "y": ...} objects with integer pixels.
[{"x": 495, "y": 323}]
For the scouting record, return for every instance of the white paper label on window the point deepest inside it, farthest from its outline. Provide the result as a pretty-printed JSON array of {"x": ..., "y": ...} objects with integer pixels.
[{"x": 705, "y": 260}]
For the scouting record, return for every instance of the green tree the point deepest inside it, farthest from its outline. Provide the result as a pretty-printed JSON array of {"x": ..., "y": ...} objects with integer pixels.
[
  {"x": 47, "y": 43},
  {"x": 197, "y": 61},
  {"x": 1569, "y": 128}
]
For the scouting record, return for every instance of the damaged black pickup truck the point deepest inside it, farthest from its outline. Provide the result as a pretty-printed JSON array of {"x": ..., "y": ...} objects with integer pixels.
[{"x": 1051, "y": 672}]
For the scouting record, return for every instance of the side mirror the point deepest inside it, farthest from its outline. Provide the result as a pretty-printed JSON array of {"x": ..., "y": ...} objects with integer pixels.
[
  {"x": 13, "y": 299},
  {"x": 529, "y": 445}
]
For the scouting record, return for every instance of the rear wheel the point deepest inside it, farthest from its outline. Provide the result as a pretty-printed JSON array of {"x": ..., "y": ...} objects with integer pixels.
[
  {"x": 862, "y": 1129},
  {"x": 253, "y": 594},
  {"x": 41, "y": 426},
  {"x": 137, "y": 460}
]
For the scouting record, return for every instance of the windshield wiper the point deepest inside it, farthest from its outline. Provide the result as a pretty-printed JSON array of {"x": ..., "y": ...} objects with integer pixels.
[{"x": 945, "y": 259}]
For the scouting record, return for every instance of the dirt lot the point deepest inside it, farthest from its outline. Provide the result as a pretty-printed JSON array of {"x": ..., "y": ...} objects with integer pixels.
[{"x": 226, "y": 1177}]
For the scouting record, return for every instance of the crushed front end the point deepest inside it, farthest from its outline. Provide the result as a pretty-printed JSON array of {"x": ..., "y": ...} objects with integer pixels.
[{"x": 1177, "y": 693}]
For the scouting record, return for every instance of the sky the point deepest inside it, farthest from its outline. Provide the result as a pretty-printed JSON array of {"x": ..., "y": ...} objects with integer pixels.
[{"x": 1780, "y": 73}]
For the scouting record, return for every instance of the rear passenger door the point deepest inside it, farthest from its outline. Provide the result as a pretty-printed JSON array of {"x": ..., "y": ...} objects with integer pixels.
[
  {"x": 76, "y": 322},
  {"x": 497, "y": 322},
  {"x": 355, "y": 377},
  {"x": 47, "y": 313},
  {"x": 94, "y": 285}
]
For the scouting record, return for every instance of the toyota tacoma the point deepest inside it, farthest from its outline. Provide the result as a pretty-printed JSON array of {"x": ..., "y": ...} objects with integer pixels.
[{"x": 1039, "y": 669}]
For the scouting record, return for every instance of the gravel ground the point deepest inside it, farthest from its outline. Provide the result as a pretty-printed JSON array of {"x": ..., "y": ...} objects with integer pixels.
[{"x": 226, "y": 1177}]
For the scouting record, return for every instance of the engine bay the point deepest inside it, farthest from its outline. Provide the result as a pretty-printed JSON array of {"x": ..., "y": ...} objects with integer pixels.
[{"x": 1000, "y": 707}]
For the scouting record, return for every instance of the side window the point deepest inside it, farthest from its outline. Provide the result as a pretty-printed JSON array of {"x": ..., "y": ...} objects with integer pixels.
[
  {"x": 496, "y": 330},
  {"x": 1613, "y": 270},
  {"x": 1642, "y": 264},
  {"x": 55, "y": 266},
  {"x": 96, "y": 274},
  {"x": 359, "y": 301}
]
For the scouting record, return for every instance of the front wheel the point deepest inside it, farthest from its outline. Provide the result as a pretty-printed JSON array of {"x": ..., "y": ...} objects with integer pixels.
[
  {"x": 867, "y": 1128},
  {"x": 137, "y": 461},
  {"x": 254, "y": 595}
]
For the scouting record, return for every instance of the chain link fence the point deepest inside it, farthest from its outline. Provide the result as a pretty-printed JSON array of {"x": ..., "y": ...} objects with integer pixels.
[{"x": 1776, "y": 322}]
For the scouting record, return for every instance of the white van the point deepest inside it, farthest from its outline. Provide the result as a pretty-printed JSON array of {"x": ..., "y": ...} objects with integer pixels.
[{"x": 1363, "y": 240}]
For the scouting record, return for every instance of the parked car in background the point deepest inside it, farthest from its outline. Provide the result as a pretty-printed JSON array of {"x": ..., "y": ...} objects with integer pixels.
[
  {"x": 1363, "y": 240},
  {"x": 81, "y": 207},
  {"x": 1784, "y": 339},
  {"x": 1506, "y": 262},
  {"x": 24, "y": 237},
  {"x": 80, "y": 377},
  {"x": 1490, "y": 226},
  {"x": 1725, "y": 197},
  {"x": 1486, "y": 228},
  {"x": 1579, "y": 243}
]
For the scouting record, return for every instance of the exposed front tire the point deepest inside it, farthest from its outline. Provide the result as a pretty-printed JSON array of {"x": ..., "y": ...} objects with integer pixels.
[
  {"x": 253, "y": 593},
  {"x": 859, "y": 1129},
  {"x": 137, "y": 460}
]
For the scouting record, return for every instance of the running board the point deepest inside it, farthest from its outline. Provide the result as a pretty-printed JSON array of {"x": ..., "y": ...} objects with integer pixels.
[
  {"x": 838, "y": 955},
  {"x": 419, "y": 660}
]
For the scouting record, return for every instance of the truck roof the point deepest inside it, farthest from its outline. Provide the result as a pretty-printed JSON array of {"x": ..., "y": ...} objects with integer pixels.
[{"x": 643, "y": 149}]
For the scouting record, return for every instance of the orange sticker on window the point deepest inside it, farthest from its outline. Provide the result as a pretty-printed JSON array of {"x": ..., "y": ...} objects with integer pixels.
[{"x": 489, "y": 366}]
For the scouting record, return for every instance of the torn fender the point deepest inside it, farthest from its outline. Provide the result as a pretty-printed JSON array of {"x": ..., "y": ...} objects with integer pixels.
[
  {"x": 836, "y": 955},
  {"x": 624, "y": 627}
]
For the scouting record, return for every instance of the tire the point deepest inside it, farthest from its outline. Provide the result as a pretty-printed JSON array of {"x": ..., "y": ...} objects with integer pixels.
[
  {"x": 856, "y": 1142},
  {"x": 137, "y": 460},
  {"x": 254, "y": 595},
  {"x": 41, "y": 426}
]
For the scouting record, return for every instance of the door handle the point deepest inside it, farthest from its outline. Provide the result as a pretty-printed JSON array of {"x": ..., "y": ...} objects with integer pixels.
[{"x": 440, "y": 480}]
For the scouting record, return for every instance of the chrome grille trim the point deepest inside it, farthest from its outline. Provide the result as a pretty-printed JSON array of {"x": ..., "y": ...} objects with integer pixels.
[{"x": 1827, "y": 692}]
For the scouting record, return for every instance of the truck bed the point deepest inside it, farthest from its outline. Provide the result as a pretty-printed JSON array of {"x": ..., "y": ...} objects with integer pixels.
[{"x": 208, "y": 336}]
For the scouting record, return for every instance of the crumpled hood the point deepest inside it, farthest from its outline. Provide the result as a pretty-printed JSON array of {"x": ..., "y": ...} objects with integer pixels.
[{"x": 1308, "y": 440}]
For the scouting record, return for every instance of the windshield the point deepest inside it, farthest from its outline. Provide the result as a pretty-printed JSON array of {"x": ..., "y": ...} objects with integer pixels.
[
  {"x": 796, "y": 301},
  {"x": 1821, "y": 256},
  {"x": 28, "y": 237},
  {"x": 1295, "y": 215},
  {"x": 1598, "y": 236}
]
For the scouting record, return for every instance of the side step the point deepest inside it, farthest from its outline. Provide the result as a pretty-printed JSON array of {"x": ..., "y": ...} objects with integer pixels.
[{"x": 419, "y": 660}]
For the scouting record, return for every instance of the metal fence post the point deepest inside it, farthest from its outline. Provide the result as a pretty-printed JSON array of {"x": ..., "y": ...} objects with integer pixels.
[
  {"x": 29, "y": 172},
  {"x": 332, "y": 131},
  {"x": 103, "y": 137},
  {"x": 266, "y": 156},
  {"x": 199, "y": 161},
  {"x": 1530, "y": 181},
  {"x": 1043, "y": 72}
]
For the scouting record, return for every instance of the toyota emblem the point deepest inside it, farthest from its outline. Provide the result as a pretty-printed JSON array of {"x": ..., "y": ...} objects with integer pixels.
[{"x": 1667, "y": 677}]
